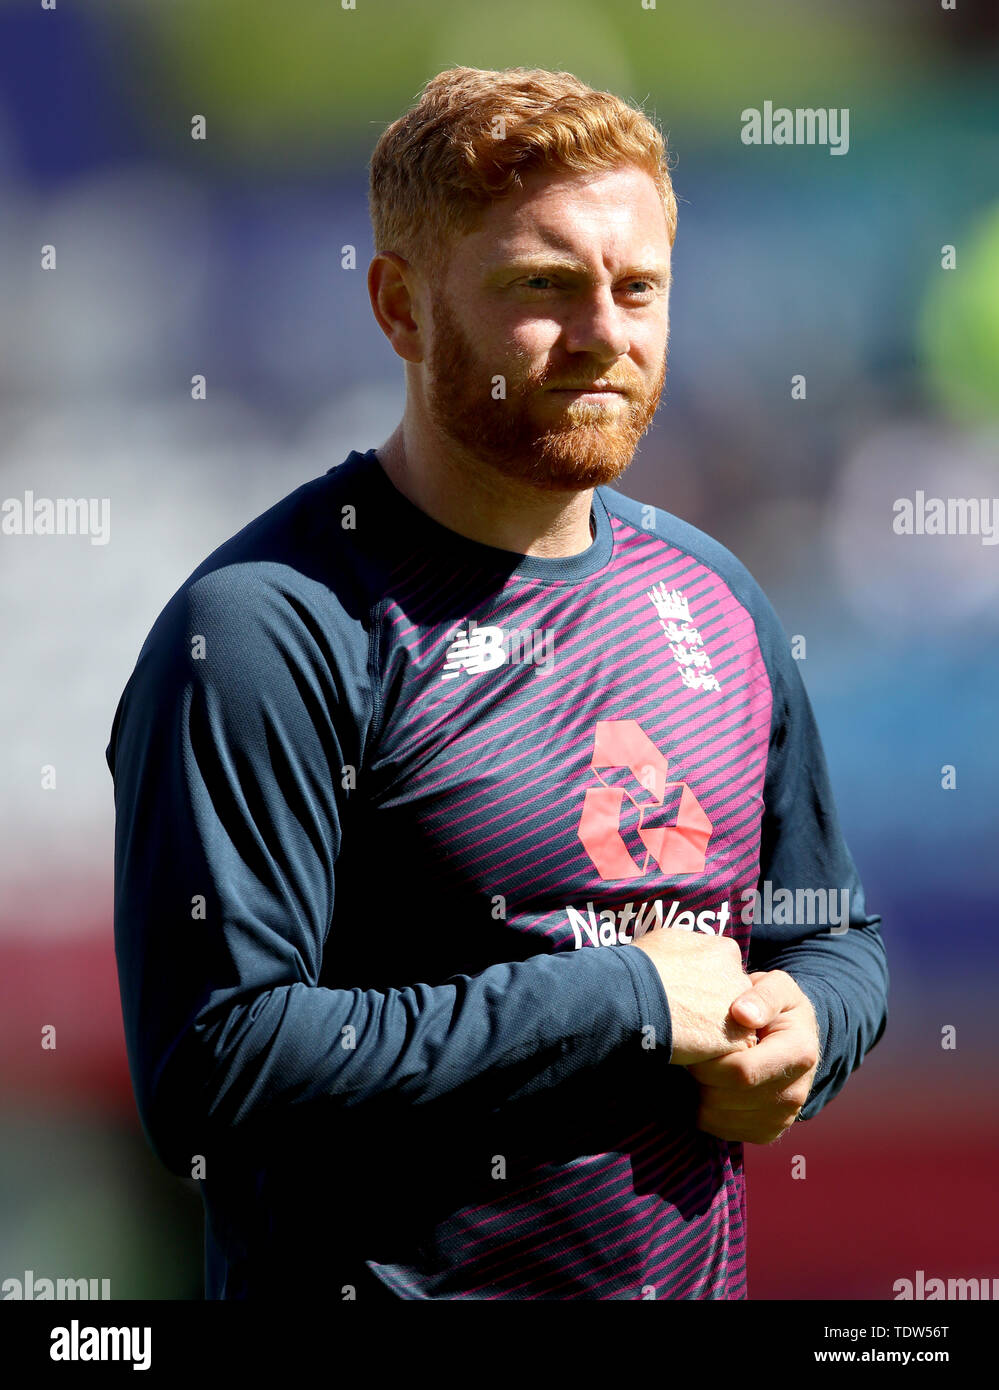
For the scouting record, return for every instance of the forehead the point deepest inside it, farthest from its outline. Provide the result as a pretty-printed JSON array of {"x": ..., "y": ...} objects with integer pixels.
[{"x": 613, "y": 212}]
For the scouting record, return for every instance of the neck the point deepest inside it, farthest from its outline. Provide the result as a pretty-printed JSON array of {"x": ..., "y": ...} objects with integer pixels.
[{"x": 478, "y": 502}]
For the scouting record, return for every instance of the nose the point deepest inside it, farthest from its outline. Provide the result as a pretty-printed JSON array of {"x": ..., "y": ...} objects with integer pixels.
[{"x": 596, "y": 324}]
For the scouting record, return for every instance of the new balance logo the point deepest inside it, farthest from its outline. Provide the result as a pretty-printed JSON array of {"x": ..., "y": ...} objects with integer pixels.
[{"x": 477, "y": 649}]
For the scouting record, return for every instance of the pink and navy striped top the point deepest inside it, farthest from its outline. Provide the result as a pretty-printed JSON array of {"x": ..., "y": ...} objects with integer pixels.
[{"x": 392, "y": 806}]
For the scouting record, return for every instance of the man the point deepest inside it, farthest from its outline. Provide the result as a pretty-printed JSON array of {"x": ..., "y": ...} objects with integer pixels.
[{"x": 445, "y": 788}]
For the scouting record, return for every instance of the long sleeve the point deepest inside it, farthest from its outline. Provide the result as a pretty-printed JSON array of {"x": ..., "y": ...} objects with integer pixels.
[
  {"x": 235, "y": 750},
  {"x": 827, "y": 941}
]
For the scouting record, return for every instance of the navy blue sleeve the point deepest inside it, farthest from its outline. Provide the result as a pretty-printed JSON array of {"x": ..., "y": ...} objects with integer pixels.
[
  {"x": 232, "y": 753},
  {"x": 836, "y": 956}
]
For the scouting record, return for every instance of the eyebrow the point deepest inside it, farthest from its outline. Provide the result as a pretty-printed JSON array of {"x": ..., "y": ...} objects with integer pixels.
[{"x": 546, "y": 264}]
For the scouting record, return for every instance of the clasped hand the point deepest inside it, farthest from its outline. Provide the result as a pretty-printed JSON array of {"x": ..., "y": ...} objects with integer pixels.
[{"x": 754, "y": 1095}]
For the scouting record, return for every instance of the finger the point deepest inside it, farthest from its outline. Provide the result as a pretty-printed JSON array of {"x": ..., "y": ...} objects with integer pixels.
[
  {"x": 779, "y": 1058},
  {"x": 746, "y": 1131},
  {"x": 747, "y": 1126},
  {"x": 774, "y": 992},
  {"x": 716, "y": 1070},
  {"x": 773, "y": 1099}
]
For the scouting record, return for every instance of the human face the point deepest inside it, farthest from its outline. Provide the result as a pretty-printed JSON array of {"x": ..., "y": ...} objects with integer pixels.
[{"x": 564, "y": 284}]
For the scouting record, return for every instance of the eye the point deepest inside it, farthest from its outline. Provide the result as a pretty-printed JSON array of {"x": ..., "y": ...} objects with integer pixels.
[{"x": 645, "y": 289}]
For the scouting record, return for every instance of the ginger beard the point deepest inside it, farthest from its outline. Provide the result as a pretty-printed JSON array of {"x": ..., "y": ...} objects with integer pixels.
[{"x": 593, "y": 444}]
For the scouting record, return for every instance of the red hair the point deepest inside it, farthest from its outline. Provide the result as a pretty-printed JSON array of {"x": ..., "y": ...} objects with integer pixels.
[{"x": 471, "y": 136}]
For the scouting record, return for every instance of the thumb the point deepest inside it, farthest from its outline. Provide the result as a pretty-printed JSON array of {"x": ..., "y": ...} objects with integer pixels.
[{"x": 761, "y": 1004}]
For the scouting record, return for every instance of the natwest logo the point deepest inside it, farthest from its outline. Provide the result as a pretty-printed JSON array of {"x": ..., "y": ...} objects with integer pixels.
[
  {"x": 609, "y": 926},
  {"x": 678, "y": 848}
]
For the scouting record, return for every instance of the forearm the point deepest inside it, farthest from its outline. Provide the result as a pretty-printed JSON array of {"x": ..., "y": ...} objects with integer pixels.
[{"x": 305, "y": 1054}]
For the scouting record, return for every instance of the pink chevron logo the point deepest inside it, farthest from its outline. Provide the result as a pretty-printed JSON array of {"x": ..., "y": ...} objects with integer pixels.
[{"x": 676, "y": 849}]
